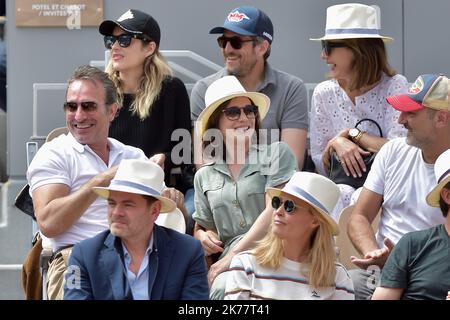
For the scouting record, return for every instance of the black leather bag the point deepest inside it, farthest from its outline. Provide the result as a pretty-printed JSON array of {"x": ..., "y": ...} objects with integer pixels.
[{"x": 337, "y": 173}]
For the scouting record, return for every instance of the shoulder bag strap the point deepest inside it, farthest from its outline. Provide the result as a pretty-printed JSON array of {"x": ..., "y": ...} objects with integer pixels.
[{"x": 370, "y": 120}]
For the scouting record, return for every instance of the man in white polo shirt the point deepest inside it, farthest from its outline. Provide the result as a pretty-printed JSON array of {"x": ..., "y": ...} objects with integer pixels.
[{"x": 64, "y": 170}]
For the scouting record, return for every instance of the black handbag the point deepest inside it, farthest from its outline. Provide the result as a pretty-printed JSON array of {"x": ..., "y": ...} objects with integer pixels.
[
  {"x": 24, "y": 201},
  {"x": 337, "y": 173}
]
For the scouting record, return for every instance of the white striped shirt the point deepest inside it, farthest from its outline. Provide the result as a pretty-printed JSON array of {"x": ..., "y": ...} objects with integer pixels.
[{"x": 248, "y": 280}]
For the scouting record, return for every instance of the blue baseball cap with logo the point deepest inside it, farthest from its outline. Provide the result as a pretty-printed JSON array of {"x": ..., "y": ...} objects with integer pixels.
[
  {"x": 247, "y": 21},
  {"x": 429, "y": 90}
]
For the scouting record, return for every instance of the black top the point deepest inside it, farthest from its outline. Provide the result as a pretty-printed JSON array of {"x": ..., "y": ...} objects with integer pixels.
[{"x": 153, "y": 134}]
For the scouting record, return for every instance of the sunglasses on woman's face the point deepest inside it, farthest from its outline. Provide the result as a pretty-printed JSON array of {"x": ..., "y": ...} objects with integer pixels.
[
  {"x": 328, "y": 46},
  {"x": 289, "y": 205},
  {"x": 123, "y": 39},
  {"x": 234, "y": 113},
  {"x": 236, "y": 42}
]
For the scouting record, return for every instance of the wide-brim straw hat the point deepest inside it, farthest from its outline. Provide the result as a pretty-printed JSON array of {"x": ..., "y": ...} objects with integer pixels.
[
  {"x": 141, "y": 177},
  {"x": 224, "y": 89},
  {"x": 442, "y": 172},
  {"x": 352, "y": 21},
  {"x": 318, "y": 191},
  {"x": 173, "y": 220}
]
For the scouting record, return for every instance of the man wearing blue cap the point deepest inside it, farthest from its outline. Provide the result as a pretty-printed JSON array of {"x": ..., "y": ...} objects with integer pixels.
[
  {"x": 246, "y": 37},
  {"x": 400, "y": 179}
]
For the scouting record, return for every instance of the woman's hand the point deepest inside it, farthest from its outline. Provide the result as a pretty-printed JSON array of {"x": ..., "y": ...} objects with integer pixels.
[
  {"x": 349, "y": 153},
  {"x": 219, "y": 267},
  {"x": 210, "y": 241}
]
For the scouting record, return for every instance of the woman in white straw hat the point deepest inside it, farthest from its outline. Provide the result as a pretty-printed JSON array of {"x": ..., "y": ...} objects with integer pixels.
[
  {"x": 418, "y": 266},
  {"x": 361, "y": 79},
  {"x": 229, "y": 191},
  {"x": 296, "y": 260}
]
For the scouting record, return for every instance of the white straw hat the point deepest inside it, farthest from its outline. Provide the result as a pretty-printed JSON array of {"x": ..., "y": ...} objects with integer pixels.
[
  {"x": 442, "y": 172},
  {"x": 174, "y": 220},
  {"x": 316, "y": 190},
  {"x": 224, "y": 89},
  {"x": 350, "y": 21},
  {"x": 141, "y": 177}
]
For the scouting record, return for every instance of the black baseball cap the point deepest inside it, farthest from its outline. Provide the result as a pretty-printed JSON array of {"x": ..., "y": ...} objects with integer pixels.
[{"x": 133, "y": 21}]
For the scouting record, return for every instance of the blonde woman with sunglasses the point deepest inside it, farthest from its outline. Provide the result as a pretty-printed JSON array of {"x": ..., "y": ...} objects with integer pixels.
[
  {"x": 153, "y": 103},
  {"x": 229, "y": 188},
  {"x": 296, "y": 260}
]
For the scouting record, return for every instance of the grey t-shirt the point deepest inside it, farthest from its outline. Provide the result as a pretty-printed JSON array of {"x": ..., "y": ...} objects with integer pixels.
[{"x": 288, "y": 100}]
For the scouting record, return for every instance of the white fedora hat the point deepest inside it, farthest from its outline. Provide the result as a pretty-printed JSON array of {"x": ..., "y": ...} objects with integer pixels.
[
  {"x": 350, "y": 21},
  {"x": 174, "y": 220},
  {"x": 316, "y": 190},
  {"x": 140, "y": 177},
  {"x": 442, "y": 172},
  {"x": 224, "y": 89}
]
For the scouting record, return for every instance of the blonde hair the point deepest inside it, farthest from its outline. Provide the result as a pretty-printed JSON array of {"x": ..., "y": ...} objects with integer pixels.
[
  {"x": 156, "y": 70},
  {"x": 321, "y": 255}
]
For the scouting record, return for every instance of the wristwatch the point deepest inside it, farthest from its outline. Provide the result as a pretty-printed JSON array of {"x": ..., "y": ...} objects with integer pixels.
[{"x": 355, "y": 134}]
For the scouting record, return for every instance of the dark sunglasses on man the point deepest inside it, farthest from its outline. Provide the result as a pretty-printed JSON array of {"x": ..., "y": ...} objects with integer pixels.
[
  {"x": 123, "y": 39},
  {"x": 86, "y": 106},
  {"x": 233, "y": 113},
  {"x": 289, "y": 205},
  {"x": 328, "y": 46},
  {"x": 236, "y": 42}
]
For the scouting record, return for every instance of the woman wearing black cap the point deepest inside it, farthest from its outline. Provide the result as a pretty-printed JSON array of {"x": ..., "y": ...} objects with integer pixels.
[{"x": 153, "y": 102}]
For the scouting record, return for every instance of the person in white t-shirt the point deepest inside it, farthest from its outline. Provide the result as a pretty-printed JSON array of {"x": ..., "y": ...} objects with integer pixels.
[
  {"x": 297, "y": 258},
  {"x": 400, "y": 179},
  {"x": 64, "y": 170}
]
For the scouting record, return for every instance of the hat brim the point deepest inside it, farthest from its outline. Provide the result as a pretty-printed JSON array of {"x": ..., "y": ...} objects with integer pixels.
[
  {"x": 173, "y": 220},
  {"x": 235, "y": 29},
  {"x": 259, "y": 99},
  {"x": 272, "y": 192},
  {"x": 404, "y": 103},
  {"x": 352, "y": 36},
  {"x": 106, "y": 28},
  {"x": 167, "y": 204},
  {"x": 435, "y": 195}
]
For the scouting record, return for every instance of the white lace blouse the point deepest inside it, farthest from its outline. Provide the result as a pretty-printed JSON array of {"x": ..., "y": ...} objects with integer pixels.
[{"x": 332, "y": 110}]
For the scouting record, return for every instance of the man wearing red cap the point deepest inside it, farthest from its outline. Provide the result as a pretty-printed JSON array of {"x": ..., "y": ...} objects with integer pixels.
[
  {"x": 417, "y": 268},
  {"x": 400, "y": 179}
]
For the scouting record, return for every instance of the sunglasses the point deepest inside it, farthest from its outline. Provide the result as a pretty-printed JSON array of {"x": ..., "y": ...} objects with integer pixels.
[
  {"x": 234, "y": 113},
  {"x": 236, "y": 42},
  {"x": 328, "y": 46},
  {"x": 87, "y": 106},
  {"x": 289, "y": 205},
  {"x": 123, "y": 39}
]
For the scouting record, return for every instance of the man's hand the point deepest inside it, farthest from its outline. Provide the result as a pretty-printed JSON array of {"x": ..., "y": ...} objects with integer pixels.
[
  {"x": 177, "y": 197},
  {"x": 174, "y": 195},
  {"x": 376, "y": 257},
  {"x": 159, "y": 159}
]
